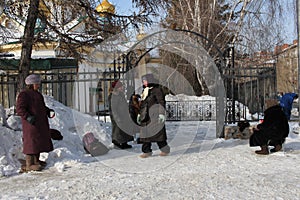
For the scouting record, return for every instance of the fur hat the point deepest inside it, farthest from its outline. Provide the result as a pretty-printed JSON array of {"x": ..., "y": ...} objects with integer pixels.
[
  {"x": 33, "y": 79},
  {"x": 271, "y": 102},
  {"x": 116, "y": 84},
  {"x": 150, "y": 78}
]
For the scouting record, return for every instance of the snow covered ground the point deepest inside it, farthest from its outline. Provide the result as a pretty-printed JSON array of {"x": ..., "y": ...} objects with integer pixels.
[{"x": 200, "y": 166}]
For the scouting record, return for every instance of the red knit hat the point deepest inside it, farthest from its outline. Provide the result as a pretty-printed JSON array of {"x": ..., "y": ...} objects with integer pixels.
[{"x": 116, "y": 84}]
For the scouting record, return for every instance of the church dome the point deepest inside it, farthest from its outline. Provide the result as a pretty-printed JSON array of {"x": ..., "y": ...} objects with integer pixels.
[
  {"x": 141, "y": 34},
  {"x": 105, "y": 6}
]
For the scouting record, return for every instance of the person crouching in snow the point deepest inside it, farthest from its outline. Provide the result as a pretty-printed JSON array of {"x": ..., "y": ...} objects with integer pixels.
[
  {"x": 152, "y": 117},
  {"x": 271, "y": 132},
  {"x": 36, "y": 132}
]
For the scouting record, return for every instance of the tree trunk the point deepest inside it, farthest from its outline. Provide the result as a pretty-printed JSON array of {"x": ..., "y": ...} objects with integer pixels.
[{"x": 27, "y": 42}]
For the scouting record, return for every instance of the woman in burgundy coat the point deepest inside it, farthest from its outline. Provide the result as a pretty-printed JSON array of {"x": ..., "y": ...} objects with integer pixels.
[{"x": 33, "y": 111}]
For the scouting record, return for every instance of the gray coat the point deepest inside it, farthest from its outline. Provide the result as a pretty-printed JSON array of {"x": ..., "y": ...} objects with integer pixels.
[
  {"x": 154, "y": 104},
  {"x": 120, "y": 118}
]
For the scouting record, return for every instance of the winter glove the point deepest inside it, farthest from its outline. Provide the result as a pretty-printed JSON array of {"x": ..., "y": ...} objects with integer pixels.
[
  {"x": 31, "y": 119},
  {"x": 161, "y": 118},
  {"x": 138, "y": 119},
  {"x": 51, "y": 113}
]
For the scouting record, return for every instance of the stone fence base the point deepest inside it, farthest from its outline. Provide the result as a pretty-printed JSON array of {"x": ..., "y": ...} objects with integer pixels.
[{"x": 234, "y": 132}]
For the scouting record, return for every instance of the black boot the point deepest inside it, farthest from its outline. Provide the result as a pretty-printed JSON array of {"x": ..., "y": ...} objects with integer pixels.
[
  {"x": 116, "y": 144},
  {"x": 121, "y": 145},
  {"x": 125, "y": 146}
]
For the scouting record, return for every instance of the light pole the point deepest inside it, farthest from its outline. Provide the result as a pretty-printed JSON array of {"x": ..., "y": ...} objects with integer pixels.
[
  {"x": 298, "y": 46},
  {"x": 231, "y": 51},
  {"x": 229, "y": 56}
]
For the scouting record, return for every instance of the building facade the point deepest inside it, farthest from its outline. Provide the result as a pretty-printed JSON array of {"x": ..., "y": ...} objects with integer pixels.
[{"x": 287, "y": 67}]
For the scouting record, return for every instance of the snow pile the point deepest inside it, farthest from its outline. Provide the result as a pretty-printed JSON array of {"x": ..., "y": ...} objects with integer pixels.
[{"x": 72, "y": 124}]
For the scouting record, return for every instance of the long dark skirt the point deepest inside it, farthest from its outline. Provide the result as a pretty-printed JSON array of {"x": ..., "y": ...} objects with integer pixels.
[{"x": 119, "y": 135}]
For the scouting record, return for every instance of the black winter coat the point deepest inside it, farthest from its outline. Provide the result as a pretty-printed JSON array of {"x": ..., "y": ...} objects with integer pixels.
[
  {"x": 154, "y": 104},
  {"x": 274, "y": 129}
]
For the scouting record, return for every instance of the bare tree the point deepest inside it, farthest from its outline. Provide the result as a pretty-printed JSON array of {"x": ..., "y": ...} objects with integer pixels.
[
  {"x": 48, "y": 21},
  {"x": 27, "y": 42},
  {"x": 260, "y": 26},
  {"x": 206, "y": 17},
  {"x": 249, "y": 25}
]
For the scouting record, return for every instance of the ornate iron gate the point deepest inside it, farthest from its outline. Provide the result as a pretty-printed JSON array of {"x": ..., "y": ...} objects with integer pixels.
[{"x": 249, "y": 87}]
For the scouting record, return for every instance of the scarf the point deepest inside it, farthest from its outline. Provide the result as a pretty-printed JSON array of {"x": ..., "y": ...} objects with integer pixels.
[{"x": 145, "y": 93}]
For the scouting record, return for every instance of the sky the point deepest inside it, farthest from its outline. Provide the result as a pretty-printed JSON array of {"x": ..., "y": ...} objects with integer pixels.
[
  {"x": 289, "y": 22},
  {"x": 122, "y": 6},
  {"x": 200, "y": 166}
]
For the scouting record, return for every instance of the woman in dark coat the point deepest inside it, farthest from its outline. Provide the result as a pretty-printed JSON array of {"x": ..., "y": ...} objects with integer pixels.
[
  {"x": 272, "y": 131},
  {"x": 120, "y": 118},
  {"x": 152, "y": 117},
  {"x": 33, "y": 111}
]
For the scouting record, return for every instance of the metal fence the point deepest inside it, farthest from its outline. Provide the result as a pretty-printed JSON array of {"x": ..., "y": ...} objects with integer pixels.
[
  {"x": 198, "y": 110},
  {"x": 67, "y": 88},
  {"x": 87, "y": 92},
  {"x": 8, "y": 85},
  {"x": 84, "y": 91},
  {"x": 248, "y": 87}
]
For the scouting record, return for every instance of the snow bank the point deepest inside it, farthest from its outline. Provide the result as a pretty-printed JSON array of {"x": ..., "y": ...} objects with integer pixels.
[{"x": 71, "y": 123}]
